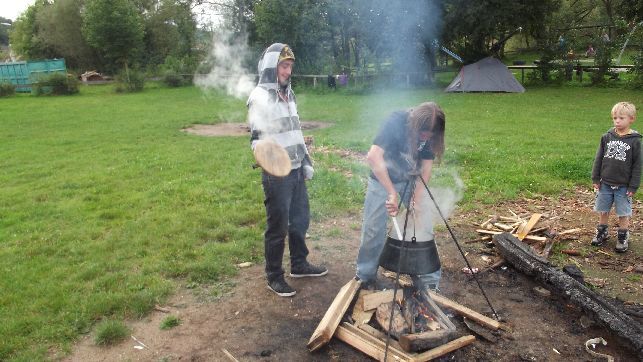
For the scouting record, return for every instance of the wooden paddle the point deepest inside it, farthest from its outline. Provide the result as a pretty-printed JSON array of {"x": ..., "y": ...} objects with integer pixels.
[{"x": 272, "y": 158}]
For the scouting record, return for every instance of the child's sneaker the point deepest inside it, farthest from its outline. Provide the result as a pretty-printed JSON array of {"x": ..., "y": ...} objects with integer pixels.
[
  {"x": 601, "y": 235},
  {"x": 621, "y": 243}
]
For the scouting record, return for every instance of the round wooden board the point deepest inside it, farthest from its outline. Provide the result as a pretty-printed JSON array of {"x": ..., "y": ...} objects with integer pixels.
[{"x": 272, "y": 158}]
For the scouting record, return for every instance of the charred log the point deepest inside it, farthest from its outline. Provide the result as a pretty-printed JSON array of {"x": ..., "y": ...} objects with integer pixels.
[{"x": 524, "y": 259}]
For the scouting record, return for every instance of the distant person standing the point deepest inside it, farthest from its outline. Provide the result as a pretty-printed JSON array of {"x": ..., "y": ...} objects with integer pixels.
[
  {"x": 272, "y": 114},
  {"x": 616, "y": 175}
]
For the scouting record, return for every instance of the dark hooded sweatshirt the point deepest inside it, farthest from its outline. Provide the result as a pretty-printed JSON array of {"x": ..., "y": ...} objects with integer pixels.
[
  {"x": 618, "y": 160},
  {"x": 272, "y": 118}
]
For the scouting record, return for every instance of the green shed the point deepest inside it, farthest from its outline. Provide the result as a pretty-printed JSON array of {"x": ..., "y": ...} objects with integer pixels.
[{"x": 23, "y": 74}]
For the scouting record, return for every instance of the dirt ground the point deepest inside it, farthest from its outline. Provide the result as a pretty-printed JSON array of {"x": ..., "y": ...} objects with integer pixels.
[
  {"x": 241, "y": 316},
  {"x": 253, "y": 324}
]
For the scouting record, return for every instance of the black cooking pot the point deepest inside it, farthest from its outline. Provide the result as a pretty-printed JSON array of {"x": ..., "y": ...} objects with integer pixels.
[{"x": 418, "y": 257}]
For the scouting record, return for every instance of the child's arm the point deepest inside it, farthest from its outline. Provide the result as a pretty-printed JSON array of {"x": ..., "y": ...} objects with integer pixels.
[
  {"x": 635, "y": 179},
  {"x": 596, "y": 169}
]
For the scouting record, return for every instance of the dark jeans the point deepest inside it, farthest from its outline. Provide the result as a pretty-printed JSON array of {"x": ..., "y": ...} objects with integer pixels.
[{"x": 287, "y": 213}]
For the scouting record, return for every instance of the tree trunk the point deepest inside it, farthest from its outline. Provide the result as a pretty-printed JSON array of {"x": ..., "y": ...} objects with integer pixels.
[{"x": 523, "y": 258}]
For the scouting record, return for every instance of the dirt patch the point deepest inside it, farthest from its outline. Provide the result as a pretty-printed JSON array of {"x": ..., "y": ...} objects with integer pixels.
[
  {"x": 240, "y": 129},
  {"x": 253, "y": 324}
]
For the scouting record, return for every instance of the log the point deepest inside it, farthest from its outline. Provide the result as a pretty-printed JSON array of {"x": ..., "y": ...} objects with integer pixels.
[
  {"x": 369, "y": 344},
  {"x": 524, "y": 259},
  {"x": 462, "y": 310},
  {"x": 359, "y": 315},
  {"x": 444, "y": 349},
  {"x": 422, "y": 341},
  {"x": 326, "y": 328},
  {"x": 374, "y": 300},
  {"x": 383, "y": 316},
  {"x": 380, "y": 335}
]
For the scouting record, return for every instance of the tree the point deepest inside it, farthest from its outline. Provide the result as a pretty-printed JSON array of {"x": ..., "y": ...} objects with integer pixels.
[
  {"x": 115, "y": 30},
  {"x": 170, "y": 30},
  {"x": 472, "y": 27},
  {"x": 26, "y": 37},
  {"x": 300, "y": 23},
  {"x": 5, "y": 24},
  {"x": 59, "y": 27}
]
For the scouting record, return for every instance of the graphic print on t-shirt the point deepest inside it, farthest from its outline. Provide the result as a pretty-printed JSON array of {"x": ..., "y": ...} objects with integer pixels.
[{"x": 617, "y": 150}]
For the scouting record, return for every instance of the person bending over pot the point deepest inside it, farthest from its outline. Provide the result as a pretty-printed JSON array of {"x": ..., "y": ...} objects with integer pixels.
[{"x": 407, "y": 144}]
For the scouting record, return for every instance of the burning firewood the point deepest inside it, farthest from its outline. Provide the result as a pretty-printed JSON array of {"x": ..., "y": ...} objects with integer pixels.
[{"x": 398, "y": 325}]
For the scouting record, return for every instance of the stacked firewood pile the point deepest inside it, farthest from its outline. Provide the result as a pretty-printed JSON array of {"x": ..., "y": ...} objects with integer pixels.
[
  {"x": 419, "y": 330},
  {"x": 537, "y": 230}
]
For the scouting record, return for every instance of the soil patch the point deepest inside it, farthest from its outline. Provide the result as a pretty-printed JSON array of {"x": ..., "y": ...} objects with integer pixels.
[
  {"x": 240, "y": 129},
  {"x": 253, "y": 324}
]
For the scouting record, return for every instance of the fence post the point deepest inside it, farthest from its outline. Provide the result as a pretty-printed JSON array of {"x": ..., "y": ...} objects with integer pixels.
[
  {"x": 407, "y": 80},
  {"x": 314, "y": 82}
]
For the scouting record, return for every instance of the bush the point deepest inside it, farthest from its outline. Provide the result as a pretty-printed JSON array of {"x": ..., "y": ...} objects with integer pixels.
[
  {"x": 175, "y": 70},
  {"x": 55, "y": 84},
  {"x": 109, "y": 332},
  {"x": 170, "y": 322},
  {"x": 7, "y": 89},
  {"x": 172, "y": 79},
  {"x": 128, "y": 81}
]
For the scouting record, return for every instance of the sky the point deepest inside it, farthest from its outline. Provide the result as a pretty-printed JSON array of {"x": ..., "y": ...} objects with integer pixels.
[{"x": 12, "y": 8}]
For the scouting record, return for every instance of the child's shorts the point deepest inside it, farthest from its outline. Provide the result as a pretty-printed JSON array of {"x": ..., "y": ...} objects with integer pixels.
[{"x": 617, "y": 195}]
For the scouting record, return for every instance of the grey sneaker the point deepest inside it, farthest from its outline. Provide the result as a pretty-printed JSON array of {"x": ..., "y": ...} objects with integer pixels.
[
  {"x": 280, "y": 287},
  {"x": 621, "y": 243},
  {"x": 308, "y": 270},
  {"x": 601, "y": 235}
]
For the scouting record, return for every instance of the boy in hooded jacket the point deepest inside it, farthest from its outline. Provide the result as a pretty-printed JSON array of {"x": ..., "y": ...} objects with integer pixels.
[
  {"x": 616, "y": 175},
  {"x": 272, "y": 114}
]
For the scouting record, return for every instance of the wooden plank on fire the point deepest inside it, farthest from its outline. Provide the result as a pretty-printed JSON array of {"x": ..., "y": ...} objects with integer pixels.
[
  {"x": 467, "y": 312},
  {"x": 444, "y": 349},
  {"x": 528, "y": 237},
  {"x": 333, "y": 316},
  {"x": 369, "y": 344},
  {"x": 530, "y": 225},
  {"x": 374, "y": 300}
]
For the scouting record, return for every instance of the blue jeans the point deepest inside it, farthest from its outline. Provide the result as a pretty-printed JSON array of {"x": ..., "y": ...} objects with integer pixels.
[
  {"x": 374, "y": 234},
  {"x": 616, "y": 195},
  {"x": 287, "y": 213}
]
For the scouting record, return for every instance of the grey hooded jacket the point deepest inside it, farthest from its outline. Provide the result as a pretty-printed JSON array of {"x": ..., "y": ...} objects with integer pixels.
[{"x": 272, "y": 118}]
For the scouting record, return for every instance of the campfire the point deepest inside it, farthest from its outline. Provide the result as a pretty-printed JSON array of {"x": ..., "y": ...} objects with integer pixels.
[{"x": 418, "y": 331}]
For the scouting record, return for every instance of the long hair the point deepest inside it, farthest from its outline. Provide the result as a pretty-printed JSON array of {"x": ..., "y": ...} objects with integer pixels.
[{"x": 427, "y": 116}]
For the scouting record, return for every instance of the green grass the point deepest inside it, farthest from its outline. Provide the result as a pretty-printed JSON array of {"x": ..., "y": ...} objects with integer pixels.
[
  {"x": 106, "y": 206},
  {"x": 110, "y": 332},
  {"x": 170, "y": 322}
]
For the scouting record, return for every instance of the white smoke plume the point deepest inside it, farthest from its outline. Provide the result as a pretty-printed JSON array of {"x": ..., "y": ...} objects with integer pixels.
[
  {"x": 226, "y": 59},
  {"x": 447, "y": 192}
]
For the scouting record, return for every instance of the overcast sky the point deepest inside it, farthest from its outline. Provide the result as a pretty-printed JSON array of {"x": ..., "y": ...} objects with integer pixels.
[{"x": 10, "y": 9}]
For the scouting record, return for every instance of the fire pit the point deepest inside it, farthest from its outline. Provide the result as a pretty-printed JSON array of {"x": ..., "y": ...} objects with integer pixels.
[{"x": 422, "y": 331}]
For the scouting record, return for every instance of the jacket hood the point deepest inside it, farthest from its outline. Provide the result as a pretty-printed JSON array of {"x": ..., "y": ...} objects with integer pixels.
[
  {"x": 267, "y": 67},
  {"x": 634, "y": 134}
]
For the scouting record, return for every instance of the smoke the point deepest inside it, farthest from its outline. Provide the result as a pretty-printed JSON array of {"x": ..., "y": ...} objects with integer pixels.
[
  {"x": 225, "y": 61},
  {"x": 447, "y": 190}
]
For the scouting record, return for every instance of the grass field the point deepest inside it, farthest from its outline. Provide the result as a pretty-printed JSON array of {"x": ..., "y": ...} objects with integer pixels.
[{"x": 106, "y": 205}]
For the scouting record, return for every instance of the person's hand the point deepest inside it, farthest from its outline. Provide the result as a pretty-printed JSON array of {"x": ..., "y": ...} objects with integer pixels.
[
  {"x": 309, "y": 171},
  {"x": 630, "y": 194},
  {"x": 391, "y": 204},
  {"x": 596, "y": 187}
]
